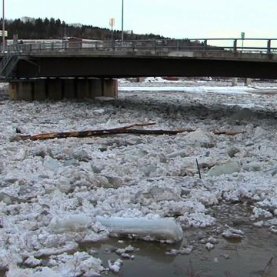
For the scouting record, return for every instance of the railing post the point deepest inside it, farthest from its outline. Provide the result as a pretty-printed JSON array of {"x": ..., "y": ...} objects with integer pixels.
[
  {"x": 269, "y": 46},
  {"x": 205, "y": 44},
  {"x": 235, "y": 45}
]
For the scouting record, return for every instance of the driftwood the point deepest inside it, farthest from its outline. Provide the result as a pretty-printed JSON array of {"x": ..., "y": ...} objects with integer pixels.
[
  {"x": 93, "y": 133},
  {"x": 227, "y": 133}
]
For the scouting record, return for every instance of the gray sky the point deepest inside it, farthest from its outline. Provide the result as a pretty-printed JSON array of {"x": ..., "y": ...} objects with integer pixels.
[{"x": 173, "y": 18}]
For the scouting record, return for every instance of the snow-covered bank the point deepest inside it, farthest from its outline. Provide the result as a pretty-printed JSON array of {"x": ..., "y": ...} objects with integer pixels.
[
  {"x": 204, "y": 89},
  {"x": 51, "y": 192}
]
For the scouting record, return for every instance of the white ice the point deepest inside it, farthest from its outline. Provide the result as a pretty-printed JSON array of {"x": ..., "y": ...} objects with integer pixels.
[{"x": 51, "y": 192}]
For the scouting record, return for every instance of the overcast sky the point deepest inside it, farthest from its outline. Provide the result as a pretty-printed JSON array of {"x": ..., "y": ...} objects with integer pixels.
[{"x": 172, "y": 18}]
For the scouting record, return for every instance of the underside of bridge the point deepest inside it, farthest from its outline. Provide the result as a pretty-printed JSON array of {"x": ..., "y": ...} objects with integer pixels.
[
  {"x": 122, "y": 67},
  {"x": 38, "y": 77}
]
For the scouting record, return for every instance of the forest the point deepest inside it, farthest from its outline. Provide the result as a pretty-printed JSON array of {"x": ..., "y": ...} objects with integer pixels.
[{"x": 50, "y": 28}]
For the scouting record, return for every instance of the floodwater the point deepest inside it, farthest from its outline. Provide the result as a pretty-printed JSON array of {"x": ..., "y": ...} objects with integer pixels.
[{"x": 254, "y": 256}]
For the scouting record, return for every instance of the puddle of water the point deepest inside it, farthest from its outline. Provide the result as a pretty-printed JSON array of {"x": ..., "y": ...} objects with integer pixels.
[
  {"x": 246, "y": 258},
  {"x": 253, "y": 256}
]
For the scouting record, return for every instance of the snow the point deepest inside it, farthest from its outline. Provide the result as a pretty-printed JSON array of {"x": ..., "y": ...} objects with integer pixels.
[
  {"x": 201, "y": 89},
  {"x": 51, "y": 192}
]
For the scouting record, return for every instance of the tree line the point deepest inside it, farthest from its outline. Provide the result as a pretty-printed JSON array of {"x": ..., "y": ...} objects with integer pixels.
[{"x": 56, "y": 29}]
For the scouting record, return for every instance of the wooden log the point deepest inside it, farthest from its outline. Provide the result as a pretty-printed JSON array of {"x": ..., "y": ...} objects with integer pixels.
[
  {"x": 105, "y": 132},
  {"x": 227, "y": 133}
]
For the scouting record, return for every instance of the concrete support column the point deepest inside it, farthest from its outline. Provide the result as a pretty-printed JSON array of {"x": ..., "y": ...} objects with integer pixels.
[
  {"x": 96, "y": 89},
  {"x": 247, "y": 81},
  {"x": 140, "y": 79},
  {"x": 110, "y": 88},
  {"x": 13, "y": 89},
  {"x": 24, "y": 91},
  {"x": 54, "y": 89},
  {"x": 39, "y": 88},
  {"x": 103, "y": 88},
  {"x": 82, "y": 88},
  {"x": 57, "y": 89},
  {"x": 234, "y": 82},
  {"x": 69, "y": 88}
]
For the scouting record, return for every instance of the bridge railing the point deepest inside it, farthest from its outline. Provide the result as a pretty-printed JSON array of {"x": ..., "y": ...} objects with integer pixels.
[
  {"x": 256, "y": 45},
  {"x": 150, "y": 47}
]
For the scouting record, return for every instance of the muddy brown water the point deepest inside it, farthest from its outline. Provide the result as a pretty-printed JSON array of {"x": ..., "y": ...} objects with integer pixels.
[{"x": 255, "y": 255}]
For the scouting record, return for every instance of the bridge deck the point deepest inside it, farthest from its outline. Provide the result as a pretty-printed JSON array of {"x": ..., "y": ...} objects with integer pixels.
[{"x": 135, "y": 59}]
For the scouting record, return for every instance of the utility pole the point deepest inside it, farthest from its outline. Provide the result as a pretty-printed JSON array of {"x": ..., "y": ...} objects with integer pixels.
[
  {"x": 122, "y": 22},
  {"x": 3, "y": 28}
]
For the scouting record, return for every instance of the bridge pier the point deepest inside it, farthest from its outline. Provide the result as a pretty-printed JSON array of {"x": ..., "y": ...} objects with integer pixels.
[
  {"x": 247, "y": 81},
  {"x": 54, "y": 89},
  {"x": 66, "y": 88},
  {"x": 39, "y": 90},
  {"x": 97, "y": 87},
  {"x": 234, "y": 82},
  {"x": 69, "y": 89},
  {"x": 109, "y": 88},
  {"x": 83, "y": 89}
]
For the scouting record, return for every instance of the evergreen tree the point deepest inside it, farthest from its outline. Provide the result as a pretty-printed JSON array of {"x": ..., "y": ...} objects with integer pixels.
[{"x": 56, "y": 29}]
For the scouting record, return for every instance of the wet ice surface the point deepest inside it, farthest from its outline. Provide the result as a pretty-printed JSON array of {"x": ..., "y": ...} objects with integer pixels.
[{"x": 51, "y": 192}]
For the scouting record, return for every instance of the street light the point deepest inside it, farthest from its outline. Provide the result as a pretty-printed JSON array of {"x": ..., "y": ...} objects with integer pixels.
[
  {"x": 3, "y": 28},
  {"x": 122, "y": 21}
]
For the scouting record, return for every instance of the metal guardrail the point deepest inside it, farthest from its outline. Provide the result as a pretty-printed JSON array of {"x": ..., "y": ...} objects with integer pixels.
[{"x": 151, "y": 47}]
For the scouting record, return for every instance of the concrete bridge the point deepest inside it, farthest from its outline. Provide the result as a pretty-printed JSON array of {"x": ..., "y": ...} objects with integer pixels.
[{"x": 81, "y": 70}]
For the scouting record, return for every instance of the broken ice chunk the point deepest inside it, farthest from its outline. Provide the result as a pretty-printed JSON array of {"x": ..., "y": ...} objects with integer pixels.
[
  {"x": 209, "y": 246},
  {"x": 182, "y": 251},
  {"x": 232, "y": 233},
  {"x": 69, "y": 223},
  {"x": 227, "y": 168},
  {"x": 115, "y": 266},
  {"x": 158, "y": 229}
]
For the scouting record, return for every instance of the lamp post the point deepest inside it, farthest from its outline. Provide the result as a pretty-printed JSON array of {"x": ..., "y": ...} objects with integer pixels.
[
  {"x": 122, "y": 22},
  {"x": 3, "y": 28}
]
